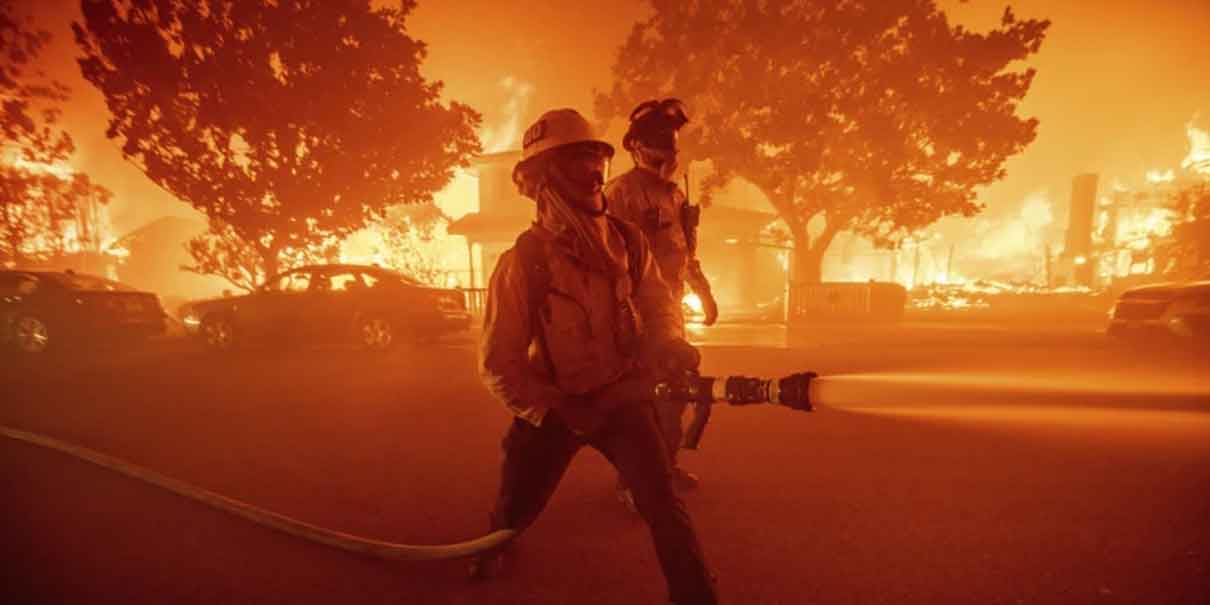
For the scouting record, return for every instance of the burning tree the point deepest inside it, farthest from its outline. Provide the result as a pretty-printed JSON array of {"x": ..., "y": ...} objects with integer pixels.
[
  {"x": 875, "y": 117},
  {"x": 406, "y": 241},
  {"x": 29, "y": 114},
  {"x": 289, "y": 123}
]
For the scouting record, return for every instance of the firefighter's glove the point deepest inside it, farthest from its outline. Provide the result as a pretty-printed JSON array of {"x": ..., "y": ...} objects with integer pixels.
[
  {"x": 709, "y": 307},
  {"x": 672, "y": 357}
]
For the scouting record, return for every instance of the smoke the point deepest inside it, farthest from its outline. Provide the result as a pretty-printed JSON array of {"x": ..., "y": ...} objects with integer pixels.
[
  {"x": 1014, "y": 247},
  {"x": 505, "y": 135}
]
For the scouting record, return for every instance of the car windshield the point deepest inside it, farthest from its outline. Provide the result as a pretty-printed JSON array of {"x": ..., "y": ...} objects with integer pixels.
[{"x": 91, "y": 283}]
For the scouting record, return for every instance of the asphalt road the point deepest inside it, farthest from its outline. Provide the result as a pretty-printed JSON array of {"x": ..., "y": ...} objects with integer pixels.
[{"x": 947, "y": 464}]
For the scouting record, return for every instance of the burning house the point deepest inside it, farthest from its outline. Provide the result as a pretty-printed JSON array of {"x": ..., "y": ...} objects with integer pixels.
[{"x": 746, "y": 271}]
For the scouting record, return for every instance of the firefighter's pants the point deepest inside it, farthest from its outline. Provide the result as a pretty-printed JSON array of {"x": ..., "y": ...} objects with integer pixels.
[{"x": 535, "y": 459}]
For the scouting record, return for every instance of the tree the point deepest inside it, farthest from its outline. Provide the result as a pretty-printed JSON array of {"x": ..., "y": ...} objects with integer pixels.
[
  {"x": 873, "y": 116},
  {"x": 50, "y": 215},
  {"x": 72, "y": 206},
  {"x": 29, "y": 114},
  {"x": 289, "y": 123},
  {"x": 408, "y": 237}
]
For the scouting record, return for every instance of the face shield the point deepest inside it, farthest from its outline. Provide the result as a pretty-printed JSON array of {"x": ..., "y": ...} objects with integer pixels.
[{"x": 580, "y": 169}]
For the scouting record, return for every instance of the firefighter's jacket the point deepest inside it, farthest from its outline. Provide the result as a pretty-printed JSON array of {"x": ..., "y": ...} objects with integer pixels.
[
  {"x": 656, "y": 205},
  {"x": 578, "y": 319}
]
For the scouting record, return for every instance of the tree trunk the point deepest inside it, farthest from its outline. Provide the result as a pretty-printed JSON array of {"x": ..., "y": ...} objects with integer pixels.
[
  {"x": 269, "y": 260},
  {"x": 808, "y": 265}
]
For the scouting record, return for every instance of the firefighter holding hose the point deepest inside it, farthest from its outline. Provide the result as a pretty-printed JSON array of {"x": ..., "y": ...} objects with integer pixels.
[{"x": 577, "y": 320}]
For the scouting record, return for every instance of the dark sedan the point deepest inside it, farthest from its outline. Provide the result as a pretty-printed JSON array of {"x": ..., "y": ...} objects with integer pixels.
[
  {"x": 45, "y": 310},
  {"x": 371, "y": 307}
]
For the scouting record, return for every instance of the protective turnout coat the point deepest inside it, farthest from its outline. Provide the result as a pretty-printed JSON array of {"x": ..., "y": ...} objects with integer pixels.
[
  {"x": 656, "y": 206},
  {"x": 579, "y": 321}
]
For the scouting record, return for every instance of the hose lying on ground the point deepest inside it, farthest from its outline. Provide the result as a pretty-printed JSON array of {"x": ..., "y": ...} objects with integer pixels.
[
  {"x": 792, "y": 391},
  {"x": 282, "y": 523}
]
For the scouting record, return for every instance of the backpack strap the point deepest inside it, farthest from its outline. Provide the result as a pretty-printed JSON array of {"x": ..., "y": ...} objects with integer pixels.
[
  {"x": 635, "y": 249},
  {"x": 536, "y": 268}
]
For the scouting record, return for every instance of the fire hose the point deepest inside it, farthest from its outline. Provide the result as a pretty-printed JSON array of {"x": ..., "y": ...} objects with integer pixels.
[{"x": 701, "y": 391}]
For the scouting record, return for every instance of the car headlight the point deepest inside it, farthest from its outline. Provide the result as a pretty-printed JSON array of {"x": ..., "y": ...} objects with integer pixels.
[
  {"x": 1180, "y": 327},
  {"x": 191, "y": 319}
]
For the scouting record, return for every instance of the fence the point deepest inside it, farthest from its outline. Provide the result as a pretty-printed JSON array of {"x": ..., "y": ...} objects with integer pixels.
[
  {"x": 475, "y": 299},
  {"x": 847, "y": 301}
]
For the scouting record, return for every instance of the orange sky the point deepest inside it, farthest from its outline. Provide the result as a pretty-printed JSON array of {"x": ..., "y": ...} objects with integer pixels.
[{"x": 1118, "y": 80}]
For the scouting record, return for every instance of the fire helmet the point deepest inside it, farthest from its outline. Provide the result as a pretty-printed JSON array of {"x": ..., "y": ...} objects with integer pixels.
[
  {"x": 558, "y": 128},
  {"x": 655, "y": 123}
]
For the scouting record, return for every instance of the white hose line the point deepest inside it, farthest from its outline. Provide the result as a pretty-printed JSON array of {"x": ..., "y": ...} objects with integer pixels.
[{"x": 282, "y": 523}]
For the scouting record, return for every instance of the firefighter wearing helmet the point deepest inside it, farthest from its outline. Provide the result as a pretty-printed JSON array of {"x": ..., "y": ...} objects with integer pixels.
[
  {"x": 577, "y": 319},
  {"x": 648, "y": 196}
]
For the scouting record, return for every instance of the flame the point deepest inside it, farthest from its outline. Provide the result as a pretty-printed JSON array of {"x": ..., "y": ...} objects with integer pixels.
[
  {"x": 694, "y": 302},
  {"x": 1016, "y": 245},
  {"x": 504, "y": 136},
  {"x": 1198, "y": 160},
  {"x": 1155, "y": 176},
  {"x": 62, "y": 170},
  {"x": 90, "y": 230},
  {"x": 1139, "y": 227},
  {"x": 438, "y": 260}
]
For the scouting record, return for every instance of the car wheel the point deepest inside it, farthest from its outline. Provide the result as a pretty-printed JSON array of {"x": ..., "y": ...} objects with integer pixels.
[
  {"x": 31, "y": 335},
  {"x": 218, "y": 332},
  {"x": 375, "y": 333}
]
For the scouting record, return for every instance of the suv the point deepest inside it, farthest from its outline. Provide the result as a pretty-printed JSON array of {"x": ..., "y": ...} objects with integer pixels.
[{"x": 1174, "y": 312}]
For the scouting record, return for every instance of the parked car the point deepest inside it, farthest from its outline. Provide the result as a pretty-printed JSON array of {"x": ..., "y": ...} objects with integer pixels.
[
  {"x": 45, "y": 310},
  {"x": 371, "y": 307},
  {"x": 1170, "y": 312}
]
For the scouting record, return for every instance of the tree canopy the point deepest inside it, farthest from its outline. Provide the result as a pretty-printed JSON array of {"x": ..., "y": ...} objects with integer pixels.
[
  {"x": 874, "y": 116},
  {"x": 287, "y": 122},
  {"x": 32, "y": 198},
  {"x": 29, "y": 100}
]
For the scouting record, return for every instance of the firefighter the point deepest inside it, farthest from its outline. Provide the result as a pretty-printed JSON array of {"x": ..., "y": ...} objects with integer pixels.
[
  {"x": 577, "y": 318},
  {"x": 649, "y": 197}
]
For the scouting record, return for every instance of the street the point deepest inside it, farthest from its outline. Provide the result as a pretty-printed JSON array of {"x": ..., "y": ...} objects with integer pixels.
[{"x": 946, "y": 463}]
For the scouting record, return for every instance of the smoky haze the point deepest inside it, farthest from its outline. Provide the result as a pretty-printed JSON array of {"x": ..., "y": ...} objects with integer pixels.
[{"x": 1117, "y": 84}]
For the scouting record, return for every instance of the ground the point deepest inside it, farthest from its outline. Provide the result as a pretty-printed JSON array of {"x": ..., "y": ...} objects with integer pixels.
[{"x": 947, "y": 463}]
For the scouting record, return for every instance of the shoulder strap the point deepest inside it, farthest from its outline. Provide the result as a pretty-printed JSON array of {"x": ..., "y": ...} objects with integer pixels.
[
  {"x": 536, "y": 267},
  {"x": 633, "y": 237}
]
